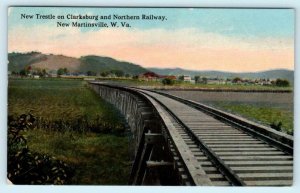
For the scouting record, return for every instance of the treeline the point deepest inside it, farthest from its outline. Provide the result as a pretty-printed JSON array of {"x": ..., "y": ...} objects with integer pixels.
[
  {"x": 117, "y": 73},
  {"x": 33, "y": 71},
  {"x": 237, "y": 80},
  {"x": 28, "y": 71}
]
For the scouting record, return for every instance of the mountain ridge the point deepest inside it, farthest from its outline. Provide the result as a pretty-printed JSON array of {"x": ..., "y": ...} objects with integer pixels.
[
  {"x": 98, "y": 64},
  {"x": 51, "y": 62},
  {"x": 267, "y": 74}
]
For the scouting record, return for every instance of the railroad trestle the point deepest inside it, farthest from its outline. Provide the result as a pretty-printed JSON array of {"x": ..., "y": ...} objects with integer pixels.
[{"x": 181, "y": 142}]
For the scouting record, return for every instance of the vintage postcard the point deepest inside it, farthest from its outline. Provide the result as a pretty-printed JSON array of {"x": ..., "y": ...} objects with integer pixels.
[{"x": 150, "y": 96}]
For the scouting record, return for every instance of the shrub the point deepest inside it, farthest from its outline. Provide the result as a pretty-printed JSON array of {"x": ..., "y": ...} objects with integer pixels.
[
  {"x": 282, "y": 83},
  {"x": 168, "y": 81},
  {"x": 276, "y": 125},
  {"x": 26, "y": 167}
]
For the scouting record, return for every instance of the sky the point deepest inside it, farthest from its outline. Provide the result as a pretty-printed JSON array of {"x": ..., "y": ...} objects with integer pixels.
[{"x": 237, "y": 40}]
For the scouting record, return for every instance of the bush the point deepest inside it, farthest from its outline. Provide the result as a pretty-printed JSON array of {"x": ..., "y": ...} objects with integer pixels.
[
  {"x": 168, "y": 81},
  {"x": 236, "y": 80},
  {"x": 276, "y": 125},
  {"x": 282, "y": 83},
  {"x": 26, "y": 167}
]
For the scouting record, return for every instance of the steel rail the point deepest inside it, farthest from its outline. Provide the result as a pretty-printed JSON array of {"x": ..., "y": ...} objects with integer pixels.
[
  {"x": 219, "y": 163},
  {"x": 281, "y": 141}
]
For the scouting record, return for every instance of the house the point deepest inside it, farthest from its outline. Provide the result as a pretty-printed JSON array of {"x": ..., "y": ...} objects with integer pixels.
[
  {"x": 172, "y": 77},
  {"x": 149, "y": 76},
  {"x": 187, "y": 78}
]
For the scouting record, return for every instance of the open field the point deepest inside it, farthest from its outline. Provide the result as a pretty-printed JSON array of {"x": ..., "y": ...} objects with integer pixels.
[
  {"x": 92, "y": 155},
  {"x": 74, "y": 125},
  {"x": 186, "y": 85},
  {"x": 62, "y": 103},
  {"x": 265, "y": 108}
]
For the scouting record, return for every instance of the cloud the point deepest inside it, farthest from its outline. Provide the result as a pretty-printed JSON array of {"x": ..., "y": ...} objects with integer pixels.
[{"x": 187, "y": 48}]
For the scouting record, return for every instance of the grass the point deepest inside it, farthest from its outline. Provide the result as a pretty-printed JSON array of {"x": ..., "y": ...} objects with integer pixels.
[
  {"x": 265, "y": 108},
  {"x": 56, "y": 99},
  {"x": 74, "y": 125},
  {"x": 62, "y": 103},
  {"x": 97, "y": 159},
  {"x": 263, "y": 114}
]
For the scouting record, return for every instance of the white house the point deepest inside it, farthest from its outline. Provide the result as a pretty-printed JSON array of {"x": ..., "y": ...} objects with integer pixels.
[{"x": 187, "y": 78}]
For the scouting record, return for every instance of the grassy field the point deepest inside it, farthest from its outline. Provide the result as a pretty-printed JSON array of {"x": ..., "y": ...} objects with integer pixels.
[
  {"x": 265, "y": 108},
  {"x": 187, "y": 85},
  {"x": 262, "y": 114},
  {"x": 74, "y": 125},
  {"x": 92, "y": 155},
  {"x": 55, "y": 99}
]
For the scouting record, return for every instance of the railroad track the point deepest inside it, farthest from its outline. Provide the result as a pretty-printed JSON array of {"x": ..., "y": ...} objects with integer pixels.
[{"x": 209, "y": 150}]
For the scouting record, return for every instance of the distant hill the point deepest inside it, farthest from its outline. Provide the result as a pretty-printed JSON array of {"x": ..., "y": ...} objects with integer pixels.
[
  {"x": 104, "y": 64},
  {"x": 98, "y": 64},
  {"x": 54, "y": 62},
  {"x": 271, "y": 74},
  {"x": 17, "y": 61}
]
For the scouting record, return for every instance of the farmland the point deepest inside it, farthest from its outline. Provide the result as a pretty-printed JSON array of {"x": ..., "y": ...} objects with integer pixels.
[
  {"x": 74, "y": 125},
  {"x": 265, "y": 108},
  {"x": 180, "y": 85}
]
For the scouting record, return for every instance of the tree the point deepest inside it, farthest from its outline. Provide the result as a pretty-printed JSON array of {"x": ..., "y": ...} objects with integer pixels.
[
  {"x": 104, "y": 74},
  {"x": 136, "y": 77},
  {"x": 66, "y": 70},
  {"x": 40, "y": 72},
  {"x": 168, "y": 81},
  {"x": 118, "y": 73},
  {"x": 43, "y": 73},
  {"x": 62, "y": 71},
  {"x": 23, "y": 72},
  {"x": 204, "y": 80},
  {"x": 91, "y": 73},
  {"x": 181, "y": 77},
  {"x": 197, "y": 79},
  {"x": 236, "y": 80},
  {"x": 282, "y": 83}
]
